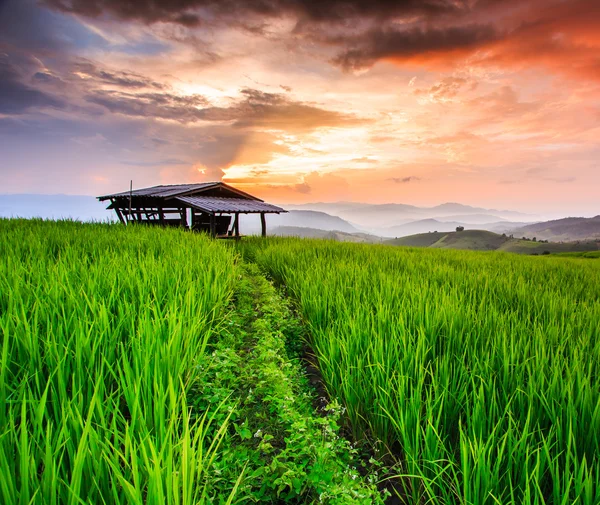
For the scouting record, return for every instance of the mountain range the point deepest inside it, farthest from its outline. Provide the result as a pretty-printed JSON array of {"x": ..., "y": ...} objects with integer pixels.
[
  {"x": 381, "y": 216},
  {"x": 567, "y": 229},
  {"x": 352, "y": 221}
]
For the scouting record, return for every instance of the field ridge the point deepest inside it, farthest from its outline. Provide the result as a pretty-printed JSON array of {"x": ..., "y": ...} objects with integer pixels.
[{"x": 286, "y": 450}]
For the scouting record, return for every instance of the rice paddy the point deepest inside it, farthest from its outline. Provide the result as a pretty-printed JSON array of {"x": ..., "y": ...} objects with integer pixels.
[
  {"x": 151, "y": 366},
  {"x": 479, "y": 371},
  {"x": 101, "y": 327}
]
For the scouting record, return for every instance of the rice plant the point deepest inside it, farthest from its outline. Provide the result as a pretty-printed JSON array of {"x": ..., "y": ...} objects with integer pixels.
[
  {"x": 479, "y": 371},
  {"x": 101, "y": 326}
]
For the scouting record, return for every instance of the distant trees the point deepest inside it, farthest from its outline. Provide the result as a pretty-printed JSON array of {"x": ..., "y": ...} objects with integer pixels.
[{"x": 460, "y": 228}]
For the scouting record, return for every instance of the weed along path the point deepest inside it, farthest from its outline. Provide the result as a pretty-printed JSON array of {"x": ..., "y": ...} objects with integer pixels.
[{"x": 284, "y": 450}]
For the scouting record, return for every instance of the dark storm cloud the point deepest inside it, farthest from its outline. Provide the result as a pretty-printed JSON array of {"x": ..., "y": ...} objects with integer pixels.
[
  {"x": 405, "y": 44},
  {"x": 364, "y": 30},
  {"x": 17, "y": 97},
  {"x": 193, "y": 12}
]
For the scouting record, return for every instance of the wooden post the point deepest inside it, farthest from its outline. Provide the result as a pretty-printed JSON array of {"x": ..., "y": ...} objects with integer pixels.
[
  {"x": 236, "y": 225},
  {"x": 120, "y": 215},
  {"x": 130, "y": 196},
  {"x": 263, "y": 224},
  {"x": 213, "y": 230}
]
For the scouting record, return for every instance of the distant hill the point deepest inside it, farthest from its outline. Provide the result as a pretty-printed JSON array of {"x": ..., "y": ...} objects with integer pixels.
[
  {"x": 476, "y": 240},
  {"x": 340, "y": 236},
  {"x": 79, "y": 207},
  {"x": 448, "y": 209},
  {"x": 375, "y": 217},
  {"x": 300, "y": 219},
  {"x": 567, "y": 229},
  {"x": 472, "y": 219},
  {"x": 482, "y": 240},
  {"x": 433, "y": 225},
  {"x": 422, "y": 226}
]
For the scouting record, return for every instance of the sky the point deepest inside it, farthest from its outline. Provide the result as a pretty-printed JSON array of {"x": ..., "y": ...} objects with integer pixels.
[{"x": 493, "y": 103}]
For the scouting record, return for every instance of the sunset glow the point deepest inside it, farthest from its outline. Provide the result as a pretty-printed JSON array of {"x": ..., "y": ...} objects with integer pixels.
[{"x": 486, "y": 102}]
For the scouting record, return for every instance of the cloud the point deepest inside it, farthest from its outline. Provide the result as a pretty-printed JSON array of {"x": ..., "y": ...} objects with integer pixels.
[
  {"x": 157, "y": 163},
  {"x": 561, "y": 36},
  {"x": 27, "y": 27},
  {"x": 88, "y": 70},
  {"x": 302, "y": 188},
  {"x": 254, "y": 110},
  {"x": 46, "y": 78},
  {"x": 502, "y": 103},
  {"x": 446, "y": 89},
  {"x": 404, "y": 180},
  {"x": 17, "y": 97},
  {"x": 183, "y": 109},
  {"x": 562, "y": 180},
  {"x": 196, "y": 12},
  {"x": 416, "y": 44},
  {"x": 276, "y": 111}
]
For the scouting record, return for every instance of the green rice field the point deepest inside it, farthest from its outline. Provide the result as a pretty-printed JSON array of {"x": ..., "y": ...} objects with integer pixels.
[
  {"x": 478, "y": 371},
  {"x": 101, "y": 327},
  {"x": 156, "y": 366}
]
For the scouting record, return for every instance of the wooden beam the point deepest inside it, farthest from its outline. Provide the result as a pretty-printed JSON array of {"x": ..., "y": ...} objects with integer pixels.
[
  {"x": 118, "y": 211},
  {"x": 213, "y": 227},
  {"x": 183, "y": 216},
  {"x": 236, "y": 225},
  {"x": 263, "y": 224}
]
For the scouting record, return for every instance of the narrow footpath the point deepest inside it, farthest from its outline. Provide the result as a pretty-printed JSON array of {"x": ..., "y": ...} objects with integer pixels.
[{"x": 284, "y": 450}]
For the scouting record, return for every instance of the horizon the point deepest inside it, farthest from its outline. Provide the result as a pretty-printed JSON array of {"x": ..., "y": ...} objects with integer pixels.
[
  {"x": 522, "y": 216},
  {"x": 494, "y": 105}
]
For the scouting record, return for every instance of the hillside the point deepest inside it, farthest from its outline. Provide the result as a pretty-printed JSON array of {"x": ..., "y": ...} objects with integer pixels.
[
  {"x": 298, "y": 219},
  {"x": 439, "y": 225},
  {"x": 423, "y": 226},
  {"x": 481, "y": 240},
  {"x": 473, "y": 240},
  {"x": 340, "y": 236},
  {"x": 570, "y": 228},
  {"x": 378, "y": 216}
]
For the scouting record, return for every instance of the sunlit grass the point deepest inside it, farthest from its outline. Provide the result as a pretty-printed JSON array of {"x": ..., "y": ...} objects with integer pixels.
[
  {"x": 478, "y": 370},
  {"x": 101, "y": 326}
]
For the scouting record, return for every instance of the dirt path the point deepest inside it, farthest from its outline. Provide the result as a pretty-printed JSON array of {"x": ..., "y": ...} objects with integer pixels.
[{"x": 288, "y": 452}]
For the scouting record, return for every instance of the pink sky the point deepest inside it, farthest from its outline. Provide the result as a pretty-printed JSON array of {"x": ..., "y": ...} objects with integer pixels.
[{"x": 489, "y": 103}]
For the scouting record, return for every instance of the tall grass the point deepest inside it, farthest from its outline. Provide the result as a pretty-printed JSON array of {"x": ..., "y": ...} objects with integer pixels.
[
  {"x": 101, "y": 326},
  {"x": 479, "y": 370}
]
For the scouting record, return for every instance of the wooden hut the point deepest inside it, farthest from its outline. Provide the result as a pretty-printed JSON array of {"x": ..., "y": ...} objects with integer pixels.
[{"x": 214, "y": 207}]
